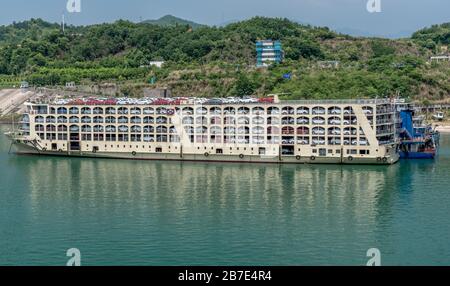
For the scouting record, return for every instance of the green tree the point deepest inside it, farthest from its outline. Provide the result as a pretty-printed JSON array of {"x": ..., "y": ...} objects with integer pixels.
[{"x": 244, "y": 86}]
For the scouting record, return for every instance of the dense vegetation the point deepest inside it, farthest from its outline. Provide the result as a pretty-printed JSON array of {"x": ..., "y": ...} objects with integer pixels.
[
  {"x": 432, "y": 37},
  {"x": 219, "y": 61}
]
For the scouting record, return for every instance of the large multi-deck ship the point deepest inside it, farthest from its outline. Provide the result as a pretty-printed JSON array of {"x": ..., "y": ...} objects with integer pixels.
[{"x": 264, "y": 131}]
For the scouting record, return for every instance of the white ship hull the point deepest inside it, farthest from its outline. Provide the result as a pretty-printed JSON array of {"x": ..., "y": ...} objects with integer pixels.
[{"x": 28, "y": 149}]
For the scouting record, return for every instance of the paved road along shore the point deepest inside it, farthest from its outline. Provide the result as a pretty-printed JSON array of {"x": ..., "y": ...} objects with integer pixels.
[
  {"x": 11, "y": 100},
  {"x": 443, "y": 128}
]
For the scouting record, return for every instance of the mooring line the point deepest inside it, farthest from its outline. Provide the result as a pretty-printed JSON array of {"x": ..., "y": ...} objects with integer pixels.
[{"x": 10, "y": 146}]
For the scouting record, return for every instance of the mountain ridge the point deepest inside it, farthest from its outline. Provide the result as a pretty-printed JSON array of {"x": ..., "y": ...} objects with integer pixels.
[{"x": 170, "y": 20}]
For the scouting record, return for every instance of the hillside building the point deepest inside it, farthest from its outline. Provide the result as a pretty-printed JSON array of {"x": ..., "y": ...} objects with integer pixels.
[{"x": 268, "y": 52}]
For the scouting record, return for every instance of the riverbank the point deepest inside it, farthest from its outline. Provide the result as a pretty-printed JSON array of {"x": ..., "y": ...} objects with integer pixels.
[
  {"x": 443, "y": 128},
  {"x": 12, "y": 100},
  {"x": 9, "y": 119}
]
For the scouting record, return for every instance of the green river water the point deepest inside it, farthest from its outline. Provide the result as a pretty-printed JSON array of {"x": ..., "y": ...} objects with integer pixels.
[{"x": 119, "y": 212}]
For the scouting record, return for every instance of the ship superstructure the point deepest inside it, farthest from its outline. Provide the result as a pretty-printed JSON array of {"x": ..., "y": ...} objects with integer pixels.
[
  {"x": 416, "y": 139},
  {"x": 265, "y": 131}
]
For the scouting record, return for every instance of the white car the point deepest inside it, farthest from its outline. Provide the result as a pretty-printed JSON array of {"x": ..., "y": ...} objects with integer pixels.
[
  {"x": 318, "y": 142},
  {"x": 302, "y": 121},
  {"x": 335, "y": 122},
  {"x": 318, "y": 132},
  {"x": 302, "y": 111},
  {"x": 288, "y": 141},
  {"x": 316, "y": 121},
  {"x": 335, "y": 111},
  {"x": 148, "y": 139}
]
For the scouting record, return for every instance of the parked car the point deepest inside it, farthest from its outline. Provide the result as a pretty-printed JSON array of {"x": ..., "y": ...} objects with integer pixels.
[
  {"x": 335, "y": 111},
  {"x": 318, "y": 142},
  {"x": 318, "y": 132},
  {"x": 302, "y": 111},
  {"x": 288, "y": 141},
  {"x": 335, "y": 122}
]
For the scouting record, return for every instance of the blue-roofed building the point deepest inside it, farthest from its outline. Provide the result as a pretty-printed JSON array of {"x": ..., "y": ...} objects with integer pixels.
[{"x": 268, "y": 52}]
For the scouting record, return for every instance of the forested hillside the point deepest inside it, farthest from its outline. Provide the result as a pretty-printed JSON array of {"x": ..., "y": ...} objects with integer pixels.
[{"x": 219, "y": 61}]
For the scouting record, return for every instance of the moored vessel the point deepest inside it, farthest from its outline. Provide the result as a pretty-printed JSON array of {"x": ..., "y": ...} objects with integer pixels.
[
  {"x": 416, "y": 139},
  {"x": 249, "y": 130}
]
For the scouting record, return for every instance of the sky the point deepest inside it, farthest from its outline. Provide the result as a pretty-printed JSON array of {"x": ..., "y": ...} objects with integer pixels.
[{"x": 397, "y": 17}]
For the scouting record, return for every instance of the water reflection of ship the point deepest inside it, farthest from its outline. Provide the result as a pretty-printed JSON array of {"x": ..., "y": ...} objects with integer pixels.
[{"x": 290, "y": 191}]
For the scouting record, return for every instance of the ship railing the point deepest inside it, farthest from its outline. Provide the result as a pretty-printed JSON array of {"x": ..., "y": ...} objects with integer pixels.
[
  {"x": 386, "y": 142},
  {"x": 383, "y": 121},
  {"x": 337, "y": 101}
]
